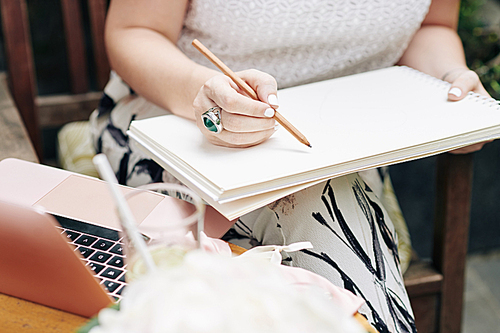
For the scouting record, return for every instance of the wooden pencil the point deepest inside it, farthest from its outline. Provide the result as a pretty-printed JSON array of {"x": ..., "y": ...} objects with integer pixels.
[{"x": 248, "y": 90}]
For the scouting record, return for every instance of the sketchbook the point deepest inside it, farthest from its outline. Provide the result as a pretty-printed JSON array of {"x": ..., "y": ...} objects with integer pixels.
[{"x": 354, "y": 123}]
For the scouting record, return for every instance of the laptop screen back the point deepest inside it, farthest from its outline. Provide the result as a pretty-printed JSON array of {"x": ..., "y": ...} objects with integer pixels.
[{"x": 38, "y": 264}]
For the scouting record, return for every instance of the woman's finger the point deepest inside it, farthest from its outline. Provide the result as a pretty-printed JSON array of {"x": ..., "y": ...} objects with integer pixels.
[
  {"x": 231, "y": 121},
  {"x": 242, "y": 140},
  {"x": 264, "y": 85},
  {"x": 466, "y": 81},
  {"x": 244, "y": 124},
  {"x": 237, "y": 139},
  {"x": 469, "y": 149},
  {"x": 237, "y": 123},
  {"x": 221, "y": 90}
]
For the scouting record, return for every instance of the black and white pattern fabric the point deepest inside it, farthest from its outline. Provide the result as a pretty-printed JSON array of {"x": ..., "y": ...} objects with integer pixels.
[
  {"x": 109, "y": 127},
  {"x": 353, "y": 244}
]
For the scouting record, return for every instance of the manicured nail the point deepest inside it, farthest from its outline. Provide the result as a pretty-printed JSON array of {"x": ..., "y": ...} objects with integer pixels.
[
  {"x": 269, "y": 113},
  {"x": 272, "y": 100},
  {"x": 455, "y": 91}
]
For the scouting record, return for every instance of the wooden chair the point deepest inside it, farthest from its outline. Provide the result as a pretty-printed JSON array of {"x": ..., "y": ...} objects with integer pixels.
[
  {"x": 41, "y": 112},
  {"x": 435, "y": 288}
]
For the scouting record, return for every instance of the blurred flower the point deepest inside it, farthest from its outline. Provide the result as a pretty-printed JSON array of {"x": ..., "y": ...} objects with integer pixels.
[{"x": 213, "y": 293}]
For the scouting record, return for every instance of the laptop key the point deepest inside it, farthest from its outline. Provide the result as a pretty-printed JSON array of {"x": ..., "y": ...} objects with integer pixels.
[
  {"x": 110, "y": 285},
  {"x": 117, "y": 249},
  {"x": 85, "y": 240},
  {"x": 116, "y": 261},
  {"x": 102, "y": 244},
  {"x": 111, "y": 273},
  {"x": 71, "y": 234},
  {"x": 122, "y": 278},
  {"x": 96, "y": 268},
  {"x": 85, "y": 252},
  {"x": 119, "y": 292},
  {"x": 100, "y": 257}
]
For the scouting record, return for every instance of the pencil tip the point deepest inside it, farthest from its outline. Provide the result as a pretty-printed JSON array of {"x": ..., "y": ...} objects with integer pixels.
[{"x": 309, "y": 145}]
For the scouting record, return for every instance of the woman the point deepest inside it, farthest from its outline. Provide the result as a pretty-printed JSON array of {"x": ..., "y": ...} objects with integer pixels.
[{"x": 281, "y": 43}]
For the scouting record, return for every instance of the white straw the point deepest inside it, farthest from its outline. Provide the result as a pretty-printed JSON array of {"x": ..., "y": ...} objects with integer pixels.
[{"x": 128, "y": 223}]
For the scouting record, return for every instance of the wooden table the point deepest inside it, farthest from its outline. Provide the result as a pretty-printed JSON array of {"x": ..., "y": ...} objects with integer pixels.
[{"x": 17, "y": 315}]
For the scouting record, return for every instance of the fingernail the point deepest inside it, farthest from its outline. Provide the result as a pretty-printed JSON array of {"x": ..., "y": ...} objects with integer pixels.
[
  {"x": 272, "y": 100},
  {"x": 455, "y": 91},
  {"x": 269, "y": 113}
]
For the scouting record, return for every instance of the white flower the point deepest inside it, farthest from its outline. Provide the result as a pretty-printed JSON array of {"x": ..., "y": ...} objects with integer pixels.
[{"x": 212, "y": 293}]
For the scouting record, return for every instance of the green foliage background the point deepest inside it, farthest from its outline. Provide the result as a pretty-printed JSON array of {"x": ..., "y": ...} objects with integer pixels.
[{"x": 481, "y": 43}]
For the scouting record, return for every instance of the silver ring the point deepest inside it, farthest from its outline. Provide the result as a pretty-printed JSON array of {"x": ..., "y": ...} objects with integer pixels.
[{"x": 211, "y": 120}]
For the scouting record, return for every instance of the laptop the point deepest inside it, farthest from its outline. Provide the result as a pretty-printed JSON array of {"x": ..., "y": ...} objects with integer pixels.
[{"x": 59, "y": 235}]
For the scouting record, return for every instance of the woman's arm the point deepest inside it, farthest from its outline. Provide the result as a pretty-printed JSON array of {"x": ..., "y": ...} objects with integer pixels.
[
  {"x": 437, "y": 50},
  {"x": 141, "y": 39}
]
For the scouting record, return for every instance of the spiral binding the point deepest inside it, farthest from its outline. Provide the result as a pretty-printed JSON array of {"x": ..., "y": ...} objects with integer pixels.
[{"x": 485, "y": 100}]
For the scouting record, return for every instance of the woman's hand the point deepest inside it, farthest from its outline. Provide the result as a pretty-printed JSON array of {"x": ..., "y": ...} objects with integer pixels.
[
  {"x": 245, "y": 122},
  {"x": 462, "y": 81}
]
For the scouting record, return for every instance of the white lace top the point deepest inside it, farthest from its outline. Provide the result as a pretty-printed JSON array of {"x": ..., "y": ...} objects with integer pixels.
[{"x": 299, "y": 41}]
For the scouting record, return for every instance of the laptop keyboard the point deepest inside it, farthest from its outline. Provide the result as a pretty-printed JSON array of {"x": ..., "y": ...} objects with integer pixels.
[{"x": 101, "y": 249}]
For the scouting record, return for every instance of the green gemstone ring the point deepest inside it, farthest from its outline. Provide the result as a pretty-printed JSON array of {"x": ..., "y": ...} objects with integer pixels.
[{"x": 211, "y": 120}]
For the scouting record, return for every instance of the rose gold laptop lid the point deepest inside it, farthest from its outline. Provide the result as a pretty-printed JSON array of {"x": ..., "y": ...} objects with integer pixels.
[{"x": 38, "y": 264}]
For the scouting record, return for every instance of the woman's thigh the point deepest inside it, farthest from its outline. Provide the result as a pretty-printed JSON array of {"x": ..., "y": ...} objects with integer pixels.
[{"x": 353, "y": 244}]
